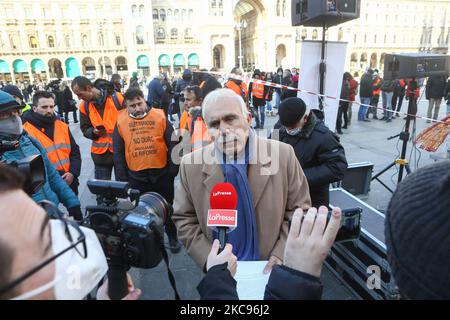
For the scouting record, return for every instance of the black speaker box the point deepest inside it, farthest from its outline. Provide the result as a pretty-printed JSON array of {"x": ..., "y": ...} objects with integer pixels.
[
  {"x": 415, "y": 65},
  {"x": 319, "y": 13}
]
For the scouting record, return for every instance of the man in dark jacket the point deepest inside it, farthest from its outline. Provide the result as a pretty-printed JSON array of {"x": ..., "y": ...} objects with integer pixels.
[
  {"x": 185, "y": 81},
  {"x": 343, "y": 105},
  {"x": 142, "y": 151},
  {"x": 208, "y": 83},
  {"x": 98, "y": 115},
  {"x": 299, "y": 276},
  {"x": 54, "y": 188},
  {"x": 318, "y": 150},
  {"x": 434, "y": 92},
  {"x": 365, "y": 94},
  {"x": 155, "y": 91},
  {"x": 42, "y": 117}
]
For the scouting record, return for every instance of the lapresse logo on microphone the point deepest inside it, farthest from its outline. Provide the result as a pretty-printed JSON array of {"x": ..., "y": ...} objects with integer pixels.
[
  {"x": 222, "y": 218},
  {"x": 221, "y": 193}
]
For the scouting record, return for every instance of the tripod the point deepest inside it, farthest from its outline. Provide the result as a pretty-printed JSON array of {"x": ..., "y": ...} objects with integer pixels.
[{"x": 403, "y": 136}]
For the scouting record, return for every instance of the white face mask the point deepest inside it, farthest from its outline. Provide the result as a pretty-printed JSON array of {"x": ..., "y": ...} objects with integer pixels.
[
  {"x": 293, "y": 132},
  {"x": 75, "y": 277}
]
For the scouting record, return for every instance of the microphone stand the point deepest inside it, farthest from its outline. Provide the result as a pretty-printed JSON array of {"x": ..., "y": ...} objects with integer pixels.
[{"x": 404, "y": 136}]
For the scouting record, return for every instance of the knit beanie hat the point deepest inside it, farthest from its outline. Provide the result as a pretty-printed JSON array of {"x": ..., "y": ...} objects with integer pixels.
[
  {"x": 13, "y": 90},
  {"x": 291, "y": 110},
  {"x": 7, "y": 102},
  {"x": 417, "y": 232}
]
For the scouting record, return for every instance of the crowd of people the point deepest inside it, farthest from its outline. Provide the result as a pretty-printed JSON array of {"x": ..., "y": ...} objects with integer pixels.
[{"x": 276, "y": 179}]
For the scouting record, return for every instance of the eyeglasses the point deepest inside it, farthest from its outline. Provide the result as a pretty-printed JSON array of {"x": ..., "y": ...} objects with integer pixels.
[
  {"x": 10, "y": 113},
  {"x": 79, "y": 244}
]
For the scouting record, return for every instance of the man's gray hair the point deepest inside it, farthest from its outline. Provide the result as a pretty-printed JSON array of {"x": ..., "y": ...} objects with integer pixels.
[{"x": 213, "y": 97}]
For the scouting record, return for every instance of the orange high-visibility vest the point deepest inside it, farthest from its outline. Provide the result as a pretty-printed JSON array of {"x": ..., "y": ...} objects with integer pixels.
[
  {"x": 199, "y": 134},
  {"x": 258, "y": 90},
  {"x": 377, "y": 91},
  {"x": 402, "y": 83},
  {"x": 240, "y": 90},
  {"x": 58, "y": 149},
  {"x": 103, "y": 144},
  {"x": 145, "y": 147},
  {"x": 183, "y": 121}
]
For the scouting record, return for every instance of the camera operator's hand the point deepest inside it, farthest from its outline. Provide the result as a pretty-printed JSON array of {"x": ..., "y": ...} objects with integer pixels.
[
  {"x": 133, "y": 293},
  {"x": 226, "y": 255},
  {"x": 308, "y": 243},
  {"x": 68, "y": 178}
]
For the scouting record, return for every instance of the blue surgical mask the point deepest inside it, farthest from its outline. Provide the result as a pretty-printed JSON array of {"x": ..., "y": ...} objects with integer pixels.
[{"x": 293, "y": 132}]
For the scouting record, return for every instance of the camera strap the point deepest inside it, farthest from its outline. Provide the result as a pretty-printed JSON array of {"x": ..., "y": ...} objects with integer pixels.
[{"x": 166, "y": 261}]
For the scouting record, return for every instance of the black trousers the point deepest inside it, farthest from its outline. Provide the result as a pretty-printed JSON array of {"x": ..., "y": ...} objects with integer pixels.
[
  {"x": 342, "y": 111},
  {"x": 165, "y": 187}
]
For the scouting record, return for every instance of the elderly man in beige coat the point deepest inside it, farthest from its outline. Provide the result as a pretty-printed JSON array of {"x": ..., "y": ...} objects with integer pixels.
[{"x": 275, "y": 182}]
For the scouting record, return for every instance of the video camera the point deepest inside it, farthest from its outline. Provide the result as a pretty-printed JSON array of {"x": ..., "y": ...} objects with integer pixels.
[
  {"x": 31, "y": 167},
  {"x": 130, "y": 232},
  {"x": 53, "y": 86}
]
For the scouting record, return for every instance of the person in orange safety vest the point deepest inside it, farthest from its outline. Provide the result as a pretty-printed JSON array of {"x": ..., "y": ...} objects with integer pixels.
[
  {"x": 143, "y": 140},
  {"x": 192, "y": 126},
  {"x": 99, "y": 109},
  {"x": 54, "y": 135}
]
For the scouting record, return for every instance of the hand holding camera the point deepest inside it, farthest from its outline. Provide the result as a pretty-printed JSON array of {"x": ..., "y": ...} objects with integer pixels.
[{"x": 310, "y": 240}]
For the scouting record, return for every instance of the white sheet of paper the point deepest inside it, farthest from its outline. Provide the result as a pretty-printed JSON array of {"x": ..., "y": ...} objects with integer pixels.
[{"x": 251, "y": 282}]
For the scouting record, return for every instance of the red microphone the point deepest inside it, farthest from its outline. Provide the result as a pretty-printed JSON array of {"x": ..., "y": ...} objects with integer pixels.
[{"x": 222, "y": 215}]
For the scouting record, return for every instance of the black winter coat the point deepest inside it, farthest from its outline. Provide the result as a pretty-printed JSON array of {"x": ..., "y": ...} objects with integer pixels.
[
  {"x": 366, "y": 86},
  {"x": 435, "y": 87},
  {"x": 447, "y": 92},
  {"x": 321, "y": 156},
  {"x": 284, "y": 284}
]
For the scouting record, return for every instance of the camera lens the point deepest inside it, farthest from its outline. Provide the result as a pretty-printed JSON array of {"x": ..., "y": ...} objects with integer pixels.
[{"x": 158, "y": 205}]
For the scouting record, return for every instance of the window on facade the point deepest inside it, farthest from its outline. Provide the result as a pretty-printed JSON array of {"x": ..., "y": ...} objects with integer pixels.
[
  {"x": 13, "y": 41},
  {"x": 365, "y": 38},
  {"x": 278, "y": 8},
  {"x": 304, "y": 34},
  {"x": 284, "y": 8},
  {"x": 174, "y": 33},
  {"x": 355, "y": 37},
  {"x": 139, "y": 35},
  {"x": 33, "y": 42},
  {"x": 162, "y": 14},
  {"x": 385, "y": 38},
  {"x": 213, "y": 7},
  {"x": 183, "y": 14},
  {"x": 50, "y": 42},
  {"x": 46, "y": 13},
  {"x": 375, "y": 39},
  {"x": 340, "y": 34},
  {"x": 315, "y": 34},
  {"x": 101, "y": 40},
  {"x": 155, "y": 14},
  {"x": 118, "y": 42},
  {"x": 141, "y": 11},
  {"x": 169, "y": 14},
  {"x": 220, "y": 5},
  {"x": 67, "y": 41},
  {"x": 160, "y": 33},
  {"x": 134, "y": 11},
  {"x": 394, "y": 40},
  {"x": 84, "y": 40},
  {"x": 188, "y": 33},
  {"x": 176, "y": 14},
  {"x": 28, "y": 13},
  {"x": 191, "y": 14}
]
